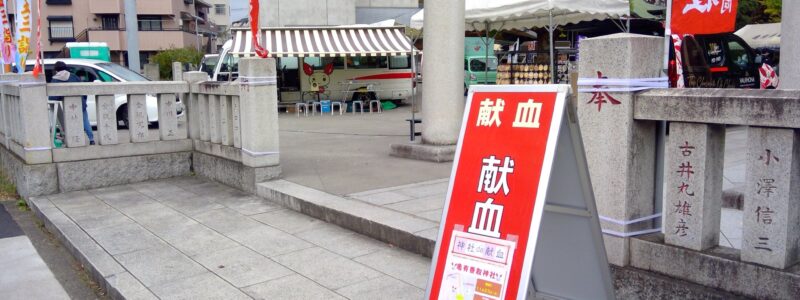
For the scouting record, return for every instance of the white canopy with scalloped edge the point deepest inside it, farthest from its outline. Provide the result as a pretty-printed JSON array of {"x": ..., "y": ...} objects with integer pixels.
[{"x": 518, "y": 14}]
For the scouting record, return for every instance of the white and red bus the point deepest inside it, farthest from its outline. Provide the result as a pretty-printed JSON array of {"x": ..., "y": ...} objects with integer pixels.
[{"x": 338, "y": 63}]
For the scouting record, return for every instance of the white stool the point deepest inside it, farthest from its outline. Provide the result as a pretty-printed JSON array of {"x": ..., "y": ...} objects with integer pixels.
[
  {"x": 360, "y": 105},
  {"x": 302, "y": 105},
  {"x": 377, "y": 104},
  {"x": 333, "y": 107},
  {"x": 313, "y": 105}
]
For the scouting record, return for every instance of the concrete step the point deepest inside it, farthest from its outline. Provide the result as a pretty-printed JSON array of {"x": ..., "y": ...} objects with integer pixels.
[{"x": 408, "y": 232}]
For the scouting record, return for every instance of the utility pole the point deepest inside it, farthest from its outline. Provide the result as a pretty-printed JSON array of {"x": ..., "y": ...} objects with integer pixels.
[{"x": 132, "y": 35}]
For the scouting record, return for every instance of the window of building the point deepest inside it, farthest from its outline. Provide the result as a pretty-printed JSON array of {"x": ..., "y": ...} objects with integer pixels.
[
  {"x": 367, "y": 62},
  {"x": 220, "y": 9},
  {"x": 400, "y": 62},
  {"x": 61, "y": 28},
  {"x": 150, "y": 23},
  {"x": 110, "y": 22}
]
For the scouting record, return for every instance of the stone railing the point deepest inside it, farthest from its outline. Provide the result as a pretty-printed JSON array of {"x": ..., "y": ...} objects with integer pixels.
[
  {"x": 694, "y": 160},
  {"x": 231, "y": 135},
  {"x": 661, "y": 211}
]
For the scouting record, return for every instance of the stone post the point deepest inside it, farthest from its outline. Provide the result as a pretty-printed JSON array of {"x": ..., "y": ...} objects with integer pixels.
[
  {"x": 771, "y": 214},
  {"x": 443, "y": 98},
  {"x": 443, "y": 67},
  {"x": 107, "y": 120},
  {"x": 790, "y": 43},
  {"x": 620, "y": 151},
  {"x": 151, "y": 72},
  {"x": 177, "y": 71},
  {"x": 36, "y": 142},
  {"x": 694, "y": 156},
  {"x": 137, "y": 118},
  {"x": 192, "y": 102},
  {"x": 259, "y": 113},
  {"x": 74, "y": 134}
]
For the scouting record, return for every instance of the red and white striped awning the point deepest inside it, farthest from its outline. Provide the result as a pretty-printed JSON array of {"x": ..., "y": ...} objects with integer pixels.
[{"x": 324, "y": 41}]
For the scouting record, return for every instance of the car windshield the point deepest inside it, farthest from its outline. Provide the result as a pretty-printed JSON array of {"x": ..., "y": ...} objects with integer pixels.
[
  {"x": 478, "y": 64},
  {"x": 123, "y": 72}
]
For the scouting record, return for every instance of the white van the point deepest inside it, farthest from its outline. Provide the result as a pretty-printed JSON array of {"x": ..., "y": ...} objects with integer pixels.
[
  {"x": 338, "y": 63},
  {"x": 89, "y": 70}
]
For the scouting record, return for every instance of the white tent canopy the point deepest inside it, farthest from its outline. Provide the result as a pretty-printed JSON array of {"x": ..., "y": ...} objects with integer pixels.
[
  {"x": 518, "y": 14},
  {"x": 761, "y": 35}
]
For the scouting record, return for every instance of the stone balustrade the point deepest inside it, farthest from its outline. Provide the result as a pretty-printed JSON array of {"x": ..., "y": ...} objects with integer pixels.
[
  {"x": 227, "y": 132},
  {"x": 661, "y": 212},
  {"x": 694, "y": 158}
]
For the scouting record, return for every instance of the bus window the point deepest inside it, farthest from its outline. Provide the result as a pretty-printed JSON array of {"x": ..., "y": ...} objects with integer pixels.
[
  {"x": 367, "y": 62},
  {"x": 400, "y": 62}
]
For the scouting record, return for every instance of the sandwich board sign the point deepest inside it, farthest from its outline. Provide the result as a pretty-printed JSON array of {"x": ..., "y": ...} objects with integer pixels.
[{"x": 520, "y": 220}]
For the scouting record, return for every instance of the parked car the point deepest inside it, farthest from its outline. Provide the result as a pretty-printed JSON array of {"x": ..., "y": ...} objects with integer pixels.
[
  {"x": 716, "y": 61},
  {"x": 208, "y": 63},
  {"x": 89, "y": 70}
]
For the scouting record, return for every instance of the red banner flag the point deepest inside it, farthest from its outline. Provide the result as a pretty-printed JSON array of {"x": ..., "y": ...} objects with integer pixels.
[
  {"x": 37, "y": 69},
  {"x": 703, "y": 16},
  {"x": 254, "y": 9}
]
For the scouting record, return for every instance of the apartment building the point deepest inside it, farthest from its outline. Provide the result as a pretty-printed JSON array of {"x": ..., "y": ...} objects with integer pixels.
[
  {"x": 162, "y": 24},
  {"x": 220, "y": 14},
  {"x": 283, "y": 13}
]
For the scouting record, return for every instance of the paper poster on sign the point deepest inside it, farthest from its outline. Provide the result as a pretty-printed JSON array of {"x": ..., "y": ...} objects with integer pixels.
[
  {"x": 703, "y": 16},
  {"x": 497, "y": 189},
  {"x": 23, "y": 33}
]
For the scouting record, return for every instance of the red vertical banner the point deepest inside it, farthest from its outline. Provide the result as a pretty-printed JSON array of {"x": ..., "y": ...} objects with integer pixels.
[
  {"x": 703, "y": 16},
  {"x": 496, "y": 196},
  {"x": 256, "y": 31},
  {"x": 37, "y": 69}
]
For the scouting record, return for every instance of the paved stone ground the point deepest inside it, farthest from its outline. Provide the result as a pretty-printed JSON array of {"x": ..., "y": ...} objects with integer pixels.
[
  {"x": 23, "y": 273},
  {"x": 190, "y": 238}
]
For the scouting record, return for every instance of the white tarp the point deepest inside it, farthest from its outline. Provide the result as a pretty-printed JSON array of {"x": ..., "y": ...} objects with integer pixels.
[
  {"x": 761, "y": 35},
  {"x": 518, "y": 14}
]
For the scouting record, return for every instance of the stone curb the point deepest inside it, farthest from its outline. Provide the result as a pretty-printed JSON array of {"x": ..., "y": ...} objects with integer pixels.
[
  {"x": 424, "y": 152},
  {"x": 408, "y": 232},
  {"x": 101, "y": 266}
]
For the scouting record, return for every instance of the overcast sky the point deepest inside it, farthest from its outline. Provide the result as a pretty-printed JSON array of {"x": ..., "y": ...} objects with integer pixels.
[{"x": 239, "y": 9}]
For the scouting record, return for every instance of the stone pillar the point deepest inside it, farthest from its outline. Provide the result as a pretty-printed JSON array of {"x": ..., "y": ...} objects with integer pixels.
[
  {"x": 107, "y": 120},
  {"x": 694, "y": 157},
  {"x": 36, "y": 140},
  {"x": 790, "y": 43},
  {"x": 771, "y": 215},
  {"x": 73, "y": 122},
  {"x": 213, "y": 119},
  {"x": 443, "y": 67},
  {"x": 137, "y": 118},
  {"x": 225, "y": 128},
  {"x": 167, "y": 118},
  {"x": 192, "y": 102},
  {"x": 620, "y": 151},
  {"x": 151, "y": 72},
  {"x": 177, "y": 71},
  {"x": 259, "y": 113}
]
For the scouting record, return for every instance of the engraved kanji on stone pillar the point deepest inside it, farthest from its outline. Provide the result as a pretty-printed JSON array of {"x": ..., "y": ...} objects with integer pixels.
[
  {"x": 771, "y": 215},
  {"x": 73, "y": 122},
  {"x": 235, "y": 119},
  {"x": 694, "y": 156},
  {"x": 107, "y": 120},
  {"x": 213, "y": 118},
  {"x": 225, "y": 130},
  {"x": 202, "y": 105},
  {"x": 167, "y": 117},
  {"x": 137, "y": 118}
]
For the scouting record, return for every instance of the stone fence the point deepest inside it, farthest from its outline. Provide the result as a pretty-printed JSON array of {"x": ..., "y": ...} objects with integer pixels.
[
  {"x": 144, "y": 131},
  {"x": 620, "y": 130}
]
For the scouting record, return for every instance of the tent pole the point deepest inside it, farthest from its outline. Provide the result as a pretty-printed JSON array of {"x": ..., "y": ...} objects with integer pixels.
[
  {"x": 486, "y": 57},
  {"x": 414, "y": 69},
  {"x": 550, "y": 29}
]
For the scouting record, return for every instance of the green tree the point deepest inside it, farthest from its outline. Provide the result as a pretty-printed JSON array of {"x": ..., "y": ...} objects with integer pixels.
[
  {"x": 772, "y": 8},
  {"x": 165, "y": 58}
]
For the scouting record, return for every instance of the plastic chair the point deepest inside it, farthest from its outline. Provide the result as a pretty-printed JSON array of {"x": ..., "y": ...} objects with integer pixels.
[{"x": 313, "y": 105}]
